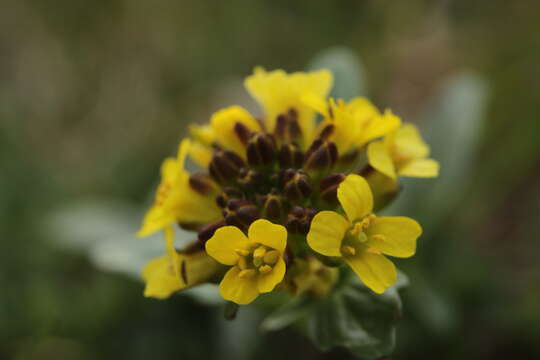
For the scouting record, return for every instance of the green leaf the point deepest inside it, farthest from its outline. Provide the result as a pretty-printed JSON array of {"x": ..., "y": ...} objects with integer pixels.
[
  {"x": 352, "y": 316},
  {"x": 349, "y": 74}
]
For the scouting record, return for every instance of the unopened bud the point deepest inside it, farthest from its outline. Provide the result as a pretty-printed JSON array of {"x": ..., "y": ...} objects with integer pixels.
[
  {"x": 296, "y": 184},
  {"x": 228, "y": 194},
  {"x": 250, "y": 179},
  {"x": 321, "y": 155},
  {"x": 201, "y": 184},
  {"x": 290, "y": 156},
  {"x": 287, "y": 127},
  {"x": 299, "y": 220},
  {"x": 272, "y": 207},
  {"x": 207, "y": 231},
  {"x": 225, "y": 166},
  {"x": 261, "y": 149},
  {"x": 240, "y": 213},
  {"x": 328, "y": 187},
  {"x": 242, "y": 132}
]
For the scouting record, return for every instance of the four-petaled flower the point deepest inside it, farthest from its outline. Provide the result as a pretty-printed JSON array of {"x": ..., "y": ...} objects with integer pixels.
[
  {"x": 257, "y": 260},
  {"x": 361, "y": 238}
]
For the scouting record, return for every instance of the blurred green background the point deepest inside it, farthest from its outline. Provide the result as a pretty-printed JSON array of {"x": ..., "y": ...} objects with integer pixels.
[{"x": 93, "y": 95}]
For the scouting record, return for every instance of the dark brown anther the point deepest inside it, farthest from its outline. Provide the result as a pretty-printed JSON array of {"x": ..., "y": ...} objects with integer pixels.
[
  {"x": 321, "y": 155},
  {"x": 225, "y": 166},
  {"x": 240, "y": 213},
  {"x": 296, "y": 184},
  {"x": 242, "y": 132},
  {"x": 328, "y": 187},
  {"x": 272, "y": 207},
  {"x": 261, "y": 149},
  {"x": 299, "y": 220},
  {"x": 207, "y": 231},
  {"x": 290, "y": 156},
  {"x": 201, "y": 184}
]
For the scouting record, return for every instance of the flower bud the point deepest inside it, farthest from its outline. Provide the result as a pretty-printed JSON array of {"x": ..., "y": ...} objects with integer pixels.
[
  {"x": 321, "y": 155},
  {"x": 299, "y": 220},
  {"x": 242, "y": 132},
  {"x": 287, "y": 127},
  {"x": 272, "y": 207},
  {"x": 228, "y": 194},
  {"x": 240, "y": 213},
  {"x": 201, "y": 184},
  {"x": 328, "y": 187},
  {"x": 207, "y": 231},
  {"x": 250, "y": 179},
  {"x": 296, "y": 184},
  {"x": 290, "y": 156},
  {"x": 225, "y": 166},
  {"x": 261, "y": 149}
]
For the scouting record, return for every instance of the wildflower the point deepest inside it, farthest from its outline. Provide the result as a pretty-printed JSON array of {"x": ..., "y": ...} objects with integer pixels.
[
  {"x": 281, "y": 180},
  {"x": 257, "y": 260},
  {"x": 402, "y": 153},
  {"x": 362, "y": 239},
  {"x": 180, "y": 197}
]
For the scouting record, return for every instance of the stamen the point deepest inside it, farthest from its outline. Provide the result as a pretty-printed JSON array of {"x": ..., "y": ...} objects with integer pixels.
[
  {"x": 247, "y": 274},
  {"x": 271, "y": 257},
  {"x": 241, "y": 252},
  {"x": 265, "y": 269},
  {"x": 348, "y": 250},
  {"x": 242, "y": 263},
  {"x": 378, "y": 237},
  {"x": 259, "y": 252}
]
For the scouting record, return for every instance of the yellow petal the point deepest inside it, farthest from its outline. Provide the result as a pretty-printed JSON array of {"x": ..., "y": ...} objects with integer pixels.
[
  {"x": 267, "y": 282},
  {"x": 183, "y": 150},
  {"x": 160, "y": 278},
  {"x": 394, "y": 235},
  {"x": 265, "y": 233},
  {"x": 277, "y": 92},
  {"x": 204, "y": 134},
  {"x": 380, "y": 126},
  {"x": 375, "y": 270},
  {"x": 154, "y": 220},
  {"x": 236, "y": 289},
  {"x": 355, "y": 197},
  {"x": 326, "y": 232},
  {"x": 201, "y": 154},
  {"x": 316, "y": 102},
  {"x": 409, "y": 144},
  {"x": 422, "y": 168},
  {"x": 379, "y": 158},
  {"x": 223, "y": 122},
  {"x": 223, "y": 245}
]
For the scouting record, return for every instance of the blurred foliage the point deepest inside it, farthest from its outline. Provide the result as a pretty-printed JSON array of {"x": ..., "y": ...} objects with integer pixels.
[{"x": 93, "y": 94}]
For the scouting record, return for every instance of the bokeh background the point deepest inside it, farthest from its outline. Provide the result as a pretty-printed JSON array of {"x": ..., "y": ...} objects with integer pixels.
[{"x": 94, "y": 94}]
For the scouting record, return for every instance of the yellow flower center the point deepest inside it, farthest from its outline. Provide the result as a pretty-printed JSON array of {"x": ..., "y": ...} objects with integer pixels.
[{"x": 256, "y": 259}]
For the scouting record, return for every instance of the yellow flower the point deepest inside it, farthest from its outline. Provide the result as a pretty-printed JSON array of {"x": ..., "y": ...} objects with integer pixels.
[
  {"x": 402, "y": 153},
  {"x": 176, "y": 271},
  {"x": 354, "y": 124},
  {"x": 361, "y": 238},
  {"x": 221, "y": 131},
  {"x": 256, "y": 260},
  {"x": 176, "y": 200},
  {"x": 279, "y": 93}
]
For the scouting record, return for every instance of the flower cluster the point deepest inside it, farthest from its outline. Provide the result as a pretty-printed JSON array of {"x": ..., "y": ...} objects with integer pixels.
[{"x": 287, "y": 199}]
